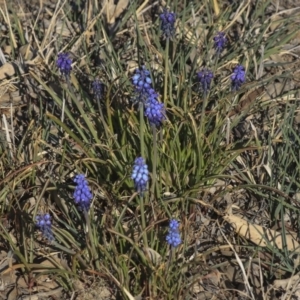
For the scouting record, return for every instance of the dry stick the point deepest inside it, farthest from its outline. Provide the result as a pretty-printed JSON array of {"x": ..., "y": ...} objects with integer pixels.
[
  {"x": 12, "y": 128},
  {"x": 247, "y": 285},
  {"x": 63, "y": 111},
  {"x": 8, "y": 139}
]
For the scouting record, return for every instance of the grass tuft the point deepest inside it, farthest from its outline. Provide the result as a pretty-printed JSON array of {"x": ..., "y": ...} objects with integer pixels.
[{"x": 220, "y": 155}]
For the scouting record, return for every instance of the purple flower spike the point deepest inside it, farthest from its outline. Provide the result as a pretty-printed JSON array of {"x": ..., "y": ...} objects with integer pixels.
[
  {"x": 173, "y": 237},
  {"x": 64, "y": 64},
  {"x": 98, "y": 88},
  {"x": 205, "y": 77},
  {"x": 168, "y": 20},
  {"x": 82, "y": 194},
  {"x": 141, "y": 79},
  {"x": 143, "y": 85},
  {"x": 140, "y": 174},
  {"x": 43, "y": 222},
  {"x": 155, "y": 111},
  {"x": 238, "y": 77},
  {"x": 220, "y": 40},
  {"x": 174, "y": 225}
]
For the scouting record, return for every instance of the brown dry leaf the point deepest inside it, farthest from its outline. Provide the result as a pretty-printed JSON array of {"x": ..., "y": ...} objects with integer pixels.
[
  {"x": 26, "y": 52},
  {"x": 261, "y": 236},
  {"x": 153, "y": 256},
  {"x": 246, "y": 101},
  {"x": 109, "y": 9},
  {"x": 277, "y": 91},
  {"x": 7, "y": 49},
  {"x": 275, "y": 22},
  {"x": 121, "y": 6},
  {"x": 292, "y": 285},
  {"x": 31, "y": 297},
  {"x": 196, "y": 287},
  {"x": 13, "y": 294},
  {"x": 232, "y": 274},
  {"x": 284, "y": 283},
  {"x": 211, "y": 281},
  {"x": 7, "y": 70},
  {"x": 254, "y": 276},
  {"x": 114, "y": 11}
]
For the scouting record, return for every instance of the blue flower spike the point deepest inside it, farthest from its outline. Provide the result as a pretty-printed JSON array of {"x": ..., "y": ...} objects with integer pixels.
[
  {"x": 43, "y": 222},
  {"x": 98, "y": 88},
  {"x": 64, "y": 64},
  {"x": 220, "y": 41},
  {"x": 82, "y": 194},
  {"x": 145, "y": 94},
  {"x": 140, "y": 174},
  {"x": 168, "y": 20},
  {"x": 238, "y": 77},
  {"x": 142, "y": 83},
  {"x": 141, "y": 79},
  {"x": 155, "y": 111},
  {"x": 205, "y": 77},
  {"x": 173, "y": 237}
]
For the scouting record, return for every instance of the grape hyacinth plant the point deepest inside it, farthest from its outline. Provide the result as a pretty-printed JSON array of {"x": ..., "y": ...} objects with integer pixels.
[
  {"x": 173, "y": 237},
  {"x": 238, "y": 77},
  {"x": 43, "y": 222},
  {"x": 168, "y": 20},
  {"x": 82, "y": 194},
  {"x": 64, "y": 64},
  {"x": 205, "y": 77},
  {"x": 220, "y": 41},
  {"x": 140, "y": 174}
]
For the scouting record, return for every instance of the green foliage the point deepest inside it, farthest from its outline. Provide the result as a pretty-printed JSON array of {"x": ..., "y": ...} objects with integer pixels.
[{"x": 122, "y": 237}]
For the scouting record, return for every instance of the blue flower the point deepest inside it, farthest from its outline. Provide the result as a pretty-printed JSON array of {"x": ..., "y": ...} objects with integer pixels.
[
  {"x": 220, "y": 40},
  {"x": 82, "y": 193},
  {"x": 141, "y": 79},
  {"x": 173, "y": 237},
  {"x": 145, "y": 94},
  {"x": 168, "y": 20},
  {"x": 155, "y": 111},
  {"x": 98, "y": 88},
  {"x": 43, "y": 221},
  {"x": 143, "y": 85},
  {"x": 205, "y": 77},
  {"x": 238, "y": 77},
  {"x": 64, "y": 64},
  {"x": 174, "y": 225},
  {"x": 140, "y": 174}
]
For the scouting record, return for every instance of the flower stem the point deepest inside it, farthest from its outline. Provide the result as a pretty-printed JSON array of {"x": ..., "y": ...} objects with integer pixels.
[
  {"x": 142, "y": 203},
  {"x": 202, "y": 124},
  {"x": 143, "y": 221},
  {"x": 90, "y": 237},
  {"x": 154, "y": 161},
  {"x": 166, "y": 71},
  {"x": 141, "y": 109},
  {"x": 102, "y": 118}
]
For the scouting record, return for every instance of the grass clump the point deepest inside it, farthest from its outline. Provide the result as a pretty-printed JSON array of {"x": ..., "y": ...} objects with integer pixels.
[{"x": 144, "y": 126}]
